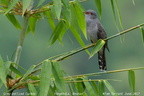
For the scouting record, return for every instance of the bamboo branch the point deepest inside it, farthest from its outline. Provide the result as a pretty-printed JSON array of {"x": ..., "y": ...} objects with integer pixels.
[
  {"x": 91, "y": 45},
  {"x": 21, "y": 40},
  {"x": 125, "y": 31},
  {"x": 19, "y": 46},
  {"x": 61, "y": 57},
  {"x": 68, "y": 54},
  {"x": 105, "y": 72}
]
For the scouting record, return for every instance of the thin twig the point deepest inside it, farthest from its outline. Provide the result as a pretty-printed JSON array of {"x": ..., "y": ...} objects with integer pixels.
[
  {"x": 125, "y": 31},
  {"x": 61, "y": 57},
  {"x": 91, "y": 45},
  {"x": 99, "y": 73}
]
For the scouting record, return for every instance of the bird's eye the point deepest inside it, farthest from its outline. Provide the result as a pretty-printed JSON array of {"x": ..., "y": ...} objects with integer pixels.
[{"x": 88, "y": 13}]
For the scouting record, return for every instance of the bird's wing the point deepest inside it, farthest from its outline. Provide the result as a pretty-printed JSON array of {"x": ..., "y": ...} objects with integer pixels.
[{"x": 101, "y": 34}]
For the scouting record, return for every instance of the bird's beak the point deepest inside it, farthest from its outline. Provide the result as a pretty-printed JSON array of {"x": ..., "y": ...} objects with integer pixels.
[{"x": 85, "y": 12}]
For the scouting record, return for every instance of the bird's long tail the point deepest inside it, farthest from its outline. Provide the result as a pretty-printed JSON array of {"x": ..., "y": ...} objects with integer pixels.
[{"x": 102, "y": 59}]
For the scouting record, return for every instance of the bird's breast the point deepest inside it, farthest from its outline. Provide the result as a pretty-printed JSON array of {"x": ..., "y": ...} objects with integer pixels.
[{"x": 92, "y": 30}]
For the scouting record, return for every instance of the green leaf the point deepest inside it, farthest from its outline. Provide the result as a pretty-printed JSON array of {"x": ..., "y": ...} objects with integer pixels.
[
  {"x": 40, "y": 2},
  {"x": 57, "y": 7},
  {"x": 101, "y": 88},
  {"x": 80, "y": 19},
  {"x": 1, "y": 83},
  {"x": 12, "y": 4},
  {"x": 50, "y": 19},
  {"x": 4, "y": 70},
  {"x": 133, "y": 1},
  {"x": 70, "y": 88},
  {"x": 99, "y": 44},
  {"x": 89, "y": 88},
  {"x": 15, "y": 70},
  {"x": 73, "y": 20},
  {"x": 66, "y": 13},
  {"x": 51, "y": 91},
  {"x": 119, "y": 15},
  {"x": 95, "y": 87},
  {"x": 28, "y": 72},
  {"x": 99, "y": 7},
  {"x": 113, "y": 9},
  {"x": 32, "y": 89},
  {"x": 13, "y": 20},
  {"x": 131, "y": 78},
  {"x": 59, "y": 78},
  {"x": 59, "y": 31},
  {"x": 66, "y": 10},
  {"x": 80, "y": 85},
  {"x": 5, "y": 2},
  {"x": 74, "y": 28},
  {"x": 110, "y": 88},
  {"x": 65, "y": 2},
  {"x": 33, "y": 77},
  {"x": 45, "y": 78},
  {"x": 142, "y": 30},
  {"x": 32, "y": 23},
  {"x": 27, "y": 5}
]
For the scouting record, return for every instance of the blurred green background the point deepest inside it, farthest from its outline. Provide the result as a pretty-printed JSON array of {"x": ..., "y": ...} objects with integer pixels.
[{"x": 126, "y": 51}]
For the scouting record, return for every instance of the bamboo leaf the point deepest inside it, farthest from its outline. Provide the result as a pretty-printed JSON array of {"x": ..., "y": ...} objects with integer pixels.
[
  {"x": 73, "y": 21},
  {"x": 119, "y": 15},
  {"x": 66, "y": 13},
  {"x": 45, "y": 78},
  {"x": 80, "y": 19},
  {"x": 101, "y": 88},
  {"x": 50, "y": 19},
  {"x": 99, "y": 7},
  {"x": 40, "y": 2},
  {"x": 131, "y": 78},
  {"x": 4, "y": 70},
  {"x": 51, "y": 91},
  {"x": 12, "y": 4},
  {"x": 142, "y": 30},
  {"x": 13, "y": 20},
  {"x": 59, "y": 31},
  {"x": 74, "y": 27},
  {"x": 99, "y": 44},
  {"x": 113, "y": 9},
  {"x": 32, "y": 89},
  {"x": 80, "y": 85},
  {"x": 59, "y": 78},
  {"x": 110, "y": 88},
  {"x": 95, "y": 87},
  {"x": 5, "y": 2},
  {"x": 89, "y": 88},
  {"x": 15, "y": 70},
  {"x": 1, "y": 83},
  {"x": 72, "y": 88},
  {"x": 32, "y": 23},
  {"x": 27, "y": 5},
  {"x": 65, "y": 2},
  {"x": 133, "y": 1},
  {"x": 78, "y": 37},
  {"x": 28, "y": 72},
  {"x": 57, "y": 7},
  {"x": 114, "y": 14}
]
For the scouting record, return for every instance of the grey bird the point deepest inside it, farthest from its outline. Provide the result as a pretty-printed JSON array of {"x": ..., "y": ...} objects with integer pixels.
[{"x": 95, "y": 31}]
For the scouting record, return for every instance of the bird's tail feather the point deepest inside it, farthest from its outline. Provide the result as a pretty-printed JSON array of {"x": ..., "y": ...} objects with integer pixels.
[{"x": 102, "y": 59}]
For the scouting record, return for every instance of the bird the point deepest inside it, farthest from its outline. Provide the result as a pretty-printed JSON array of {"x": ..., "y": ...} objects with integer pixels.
[{"x": 95, "y": 31}]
